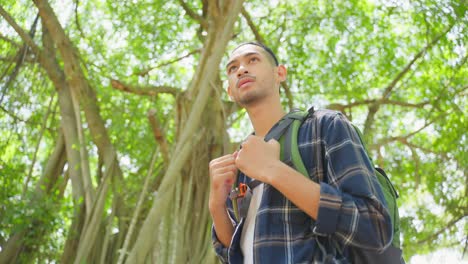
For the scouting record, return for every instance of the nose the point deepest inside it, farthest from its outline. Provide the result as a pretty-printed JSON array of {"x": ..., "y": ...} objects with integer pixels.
[{"x": 242, "y": 70}]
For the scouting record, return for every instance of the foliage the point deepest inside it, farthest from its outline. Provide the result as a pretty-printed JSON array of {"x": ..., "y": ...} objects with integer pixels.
[{"x": 396, "y": 68}]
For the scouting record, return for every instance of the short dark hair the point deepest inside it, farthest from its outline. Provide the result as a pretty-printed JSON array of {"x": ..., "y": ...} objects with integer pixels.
[{"x": 261, "y": 45}]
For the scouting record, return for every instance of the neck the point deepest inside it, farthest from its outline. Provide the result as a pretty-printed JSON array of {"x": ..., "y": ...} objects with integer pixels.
[{"x": 264, "y": 116}]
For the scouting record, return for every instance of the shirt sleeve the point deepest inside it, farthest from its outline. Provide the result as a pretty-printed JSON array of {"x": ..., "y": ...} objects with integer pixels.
[
  {"x": 220, "y": 249},
  {"x": 352, "y": 207}
]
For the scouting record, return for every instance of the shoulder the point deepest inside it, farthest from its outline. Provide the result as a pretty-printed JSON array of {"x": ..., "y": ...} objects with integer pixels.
[
  {"x": 324, "y": 117},
  {"x": 327, "y": 125},
  {"x": 314, "y": 125}
]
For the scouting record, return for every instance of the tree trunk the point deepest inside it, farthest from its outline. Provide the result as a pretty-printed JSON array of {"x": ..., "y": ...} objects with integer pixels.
[
  {"x": 187, "y": 222},
  {"x": 81, "y": 90},
  {"x": 182, "y": 194}
]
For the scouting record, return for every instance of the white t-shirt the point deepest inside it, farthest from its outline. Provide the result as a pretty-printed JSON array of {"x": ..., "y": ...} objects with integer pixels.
[{"x": 248, "y": 230}]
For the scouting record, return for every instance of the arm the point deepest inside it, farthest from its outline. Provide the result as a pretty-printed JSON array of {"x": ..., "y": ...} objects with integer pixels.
[
  {"x": 353, "y": 207},
  {"x": 358, "y": 221},
  {"x": 221, "y": 233},
  {"x": 222, "y": 176},
  {"x": 222, "y": 224},
  {"x": 300, "y": 190}
]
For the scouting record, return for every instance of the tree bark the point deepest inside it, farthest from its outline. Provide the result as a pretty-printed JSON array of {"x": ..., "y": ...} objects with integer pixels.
[
  {"x": 222, "y": 15},
  {"x": 87, "y": 98}
]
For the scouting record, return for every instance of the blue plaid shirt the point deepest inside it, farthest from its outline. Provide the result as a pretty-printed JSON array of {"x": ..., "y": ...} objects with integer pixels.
[{"x": 352, "y": 209}]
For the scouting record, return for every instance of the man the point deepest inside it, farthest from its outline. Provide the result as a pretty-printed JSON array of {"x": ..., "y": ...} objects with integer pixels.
[{"x": 291, "y": 218}]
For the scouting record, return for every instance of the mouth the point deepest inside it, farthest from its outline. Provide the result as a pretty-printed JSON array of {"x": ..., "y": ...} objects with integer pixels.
[{"x": 245, "y": 80}]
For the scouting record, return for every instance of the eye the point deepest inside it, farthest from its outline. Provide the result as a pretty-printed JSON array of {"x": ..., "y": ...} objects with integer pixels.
[
  {"x": 232, "y": 68},
  {"x": 253, "y": 59}
]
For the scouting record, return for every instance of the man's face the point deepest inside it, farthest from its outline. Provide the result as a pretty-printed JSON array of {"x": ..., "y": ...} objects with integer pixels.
[{"x": 252, "y": 75}]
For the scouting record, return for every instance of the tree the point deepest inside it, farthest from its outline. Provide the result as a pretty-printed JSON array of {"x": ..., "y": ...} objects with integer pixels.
[{"x": 111, "y": 112}]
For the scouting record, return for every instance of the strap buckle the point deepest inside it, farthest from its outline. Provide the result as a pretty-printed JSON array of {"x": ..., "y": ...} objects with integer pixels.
[{"x": 238, "y": 192}]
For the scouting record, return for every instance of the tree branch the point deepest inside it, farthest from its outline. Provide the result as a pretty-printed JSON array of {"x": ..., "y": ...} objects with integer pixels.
[
  {"x": 136, "y": 212},
  {"x": 25, "y": 36},
  {"x": 386, "y": 93},
  {"x": 434, "y": 103},
  {"x": 405, "y": 70},
  {"x": 288, "y": 93},
  {"x": 145, "y": 72},
  {"x": 193, "y": 14},
  {"x": 14, "y": 43},
  {"x": 159, "y": 135},
  {"x": 148, "y": 90},
  {"x": 447, "y": 226},
  {"x": 382, "y": 101},
  {"x": 252, "y": 26},
  {"x": 11, "y": 59},
  {"x": 13, "y": 115},
  {"x": 414, "y": 146},
  {"x": 417, "y": 164},
  {"x": 404, "y": 139},
  {"x": 21, "y": 55},
  {"x": 77, "y": 19},
  {"x": 36, "y": 150}
]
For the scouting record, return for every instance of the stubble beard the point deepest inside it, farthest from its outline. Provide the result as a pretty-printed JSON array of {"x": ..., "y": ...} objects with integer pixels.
[{"x": 251, "y": 98}]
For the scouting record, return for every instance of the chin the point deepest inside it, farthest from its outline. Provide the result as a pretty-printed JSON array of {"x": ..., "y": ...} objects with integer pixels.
[{"x": 249, "y": 100}]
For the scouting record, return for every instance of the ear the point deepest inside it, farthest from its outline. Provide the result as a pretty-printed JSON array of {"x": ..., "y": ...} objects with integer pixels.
[{"x": 282, "y": 73}]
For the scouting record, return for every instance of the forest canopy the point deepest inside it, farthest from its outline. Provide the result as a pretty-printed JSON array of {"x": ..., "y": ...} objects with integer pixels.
[{"x": 110, "y": 112}]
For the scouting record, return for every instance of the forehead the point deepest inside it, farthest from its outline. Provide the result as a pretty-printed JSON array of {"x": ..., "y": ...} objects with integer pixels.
[{"x": 244, "y": 50}]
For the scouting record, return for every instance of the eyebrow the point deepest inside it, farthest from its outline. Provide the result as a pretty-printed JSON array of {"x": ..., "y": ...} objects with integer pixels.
[{"x": 244, "y": 56}]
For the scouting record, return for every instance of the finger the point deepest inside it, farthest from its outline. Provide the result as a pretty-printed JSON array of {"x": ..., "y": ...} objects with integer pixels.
[
  {"x": 247, "y": 141},
  {"x": 239, "y": 159},
  {"x": 243, "y": 145},
  {"x": 222, "y": 161},
  {"x": 239, "y": 155},
  {"x": 223, "y": 167},
  {"x": 273, "y": 142},
  {"x": 221, "y": 170}
]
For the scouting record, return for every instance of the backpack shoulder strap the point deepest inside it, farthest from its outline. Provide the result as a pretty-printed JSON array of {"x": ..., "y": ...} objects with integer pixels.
[{"x": 289, "y": 146}]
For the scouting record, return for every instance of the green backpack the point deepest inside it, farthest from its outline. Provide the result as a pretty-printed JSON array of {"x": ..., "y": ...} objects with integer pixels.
[{"x": 287, "y": 133}]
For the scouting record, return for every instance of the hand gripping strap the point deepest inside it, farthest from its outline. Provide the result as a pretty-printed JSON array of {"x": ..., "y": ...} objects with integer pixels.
[{"x": 289, "y": 127}]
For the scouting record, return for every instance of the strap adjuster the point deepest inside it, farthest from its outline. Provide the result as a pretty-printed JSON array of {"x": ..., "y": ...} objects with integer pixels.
[{"x": 238, "y": 192}]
